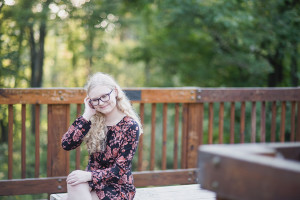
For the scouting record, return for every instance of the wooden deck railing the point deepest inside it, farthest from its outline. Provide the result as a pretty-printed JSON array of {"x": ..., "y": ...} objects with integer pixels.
[{"x": 174, "y": 118}]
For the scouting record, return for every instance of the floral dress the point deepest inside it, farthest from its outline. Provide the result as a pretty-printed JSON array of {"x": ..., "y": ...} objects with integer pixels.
[{"x": 111, "y": 169}]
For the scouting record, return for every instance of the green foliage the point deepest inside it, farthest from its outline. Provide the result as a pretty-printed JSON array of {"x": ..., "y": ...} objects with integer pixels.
[
  {"x": 223, "y": 43},
  {"x": 170, "y": 43}
]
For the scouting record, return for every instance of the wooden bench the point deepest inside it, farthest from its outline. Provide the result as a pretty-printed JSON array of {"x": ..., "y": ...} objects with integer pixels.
[{"x": 178, "y": 192}]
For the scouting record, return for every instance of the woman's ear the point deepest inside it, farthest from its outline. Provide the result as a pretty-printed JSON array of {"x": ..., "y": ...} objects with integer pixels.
[
  {"x": 116, "y": 93},
  {"x": 119, "y": 95}
]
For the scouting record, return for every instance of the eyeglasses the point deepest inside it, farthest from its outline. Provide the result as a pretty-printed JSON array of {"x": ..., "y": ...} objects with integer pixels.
[{"x": 103, "y": 98}]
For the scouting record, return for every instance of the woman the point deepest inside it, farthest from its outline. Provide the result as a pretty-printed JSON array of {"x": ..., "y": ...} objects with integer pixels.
[{"x": 110, "y": 128}]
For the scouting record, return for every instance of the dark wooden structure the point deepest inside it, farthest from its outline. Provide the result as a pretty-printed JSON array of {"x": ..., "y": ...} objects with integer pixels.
[
  {"x": 251, "y": 171},
  {"x": 193, "y": 112}
]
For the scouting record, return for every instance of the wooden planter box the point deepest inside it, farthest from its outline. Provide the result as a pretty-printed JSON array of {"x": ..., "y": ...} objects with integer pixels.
[{"x": 251, "y": 171}]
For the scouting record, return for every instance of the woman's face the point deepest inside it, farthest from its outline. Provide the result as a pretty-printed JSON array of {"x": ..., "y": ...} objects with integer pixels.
[{"x": 103, "y": 93}]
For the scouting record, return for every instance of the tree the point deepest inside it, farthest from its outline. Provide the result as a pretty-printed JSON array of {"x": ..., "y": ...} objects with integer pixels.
[
  {"x": 224, "y": 43},
  {"x": 37, "y": 45},
  {"x": 281, "y": 49}
]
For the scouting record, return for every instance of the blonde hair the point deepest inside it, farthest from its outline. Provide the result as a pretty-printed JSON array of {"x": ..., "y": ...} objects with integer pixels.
[{"x": 96, "y": 137}]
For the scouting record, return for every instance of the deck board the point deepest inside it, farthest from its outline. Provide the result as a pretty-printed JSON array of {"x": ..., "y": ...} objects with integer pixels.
[{"x": 178, "y": 192}]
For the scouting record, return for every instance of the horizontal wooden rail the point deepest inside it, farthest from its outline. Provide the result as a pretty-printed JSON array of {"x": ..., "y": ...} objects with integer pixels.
[
  {"x": 247, "y": 94},
  {"x": 58, "y": 184},
  {"x": 77, "y": 95},
  {"x": 151, "y": 95}
]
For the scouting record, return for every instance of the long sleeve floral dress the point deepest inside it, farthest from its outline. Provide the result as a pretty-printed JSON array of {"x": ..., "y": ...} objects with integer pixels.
[{"x": 111, "y": 169}]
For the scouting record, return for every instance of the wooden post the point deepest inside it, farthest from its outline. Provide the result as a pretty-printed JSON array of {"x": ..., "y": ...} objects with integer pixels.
[
  {"x": 210, "y": 122},
  {"x": 184, "y": 136},
  {"x": 37, "y": 140},
  {"x": 298, "y": 122},
  {"x": 194, "y": 126},
  {"x": 153, "y": 127},
  {"x": 58, "y": 123},
  {"x": 10, "y": 140}
]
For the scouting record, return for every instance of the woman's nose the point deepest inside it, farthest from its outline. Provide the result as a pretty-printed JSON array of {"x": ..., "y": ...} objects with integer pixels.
[{"x": 101, "y": 102}]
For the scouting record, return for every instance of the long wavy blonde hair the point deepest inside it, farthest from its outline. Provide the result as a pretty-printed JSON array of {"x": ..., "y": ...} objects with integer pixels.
[{"x": 96, "y": 137}]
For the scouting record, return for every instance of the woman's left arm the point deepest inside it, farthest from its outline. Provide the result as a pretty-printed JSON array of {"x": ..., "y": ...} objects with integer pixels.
[{"x": 123, "y": 161}]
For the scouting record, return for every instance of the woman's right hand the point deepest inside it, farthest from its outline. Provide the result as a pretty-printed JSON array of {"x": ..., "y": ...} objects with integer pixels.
[{"x": 89, "y": 111}]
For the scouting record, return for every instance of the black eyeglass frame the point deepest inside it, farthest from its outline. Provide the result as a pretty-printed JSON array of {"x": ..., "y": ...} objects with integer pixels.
[{"x": 100, "y": 99}]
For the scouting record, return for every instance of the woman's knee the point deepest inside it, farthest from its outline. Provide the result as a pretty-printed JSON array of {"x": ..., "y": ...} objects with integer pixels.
[{"x": 79, "y": 191}]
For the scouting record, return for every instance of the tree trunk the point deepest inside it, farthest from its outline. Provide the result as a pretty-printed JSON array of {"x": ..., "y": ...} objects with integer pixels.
[
  {"x": 275, "y": 77},
  {"x": 37, "y": 56},
  {"x": 18, "y": 61},
  {"x": 3, "y": 131},
  {"x": 276, "y": 61},
  {"x": 294, "y": 65},
  {"x": 90, "y": 49}
]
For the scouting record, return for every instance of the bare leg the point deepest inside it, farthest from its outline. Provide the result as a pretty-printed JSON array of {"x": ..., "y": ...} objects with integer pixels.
[{"x": 79, "y": 192}]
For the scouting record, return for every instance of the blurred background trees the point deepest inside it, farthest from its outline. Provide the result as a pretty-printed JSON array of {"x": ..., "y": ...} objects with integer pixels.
[{"x": 58, "y": 43}]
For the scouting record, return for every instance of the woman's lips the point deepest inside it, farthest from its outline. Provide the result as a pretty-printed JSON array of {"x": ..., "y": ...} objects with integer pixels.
[{"x": 102, "y": 107}]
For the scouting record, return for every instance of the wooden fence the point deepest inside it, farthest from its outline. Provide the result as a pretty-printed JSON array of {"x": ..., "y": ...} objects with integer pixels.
[{"x": 193, "y": 123}]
